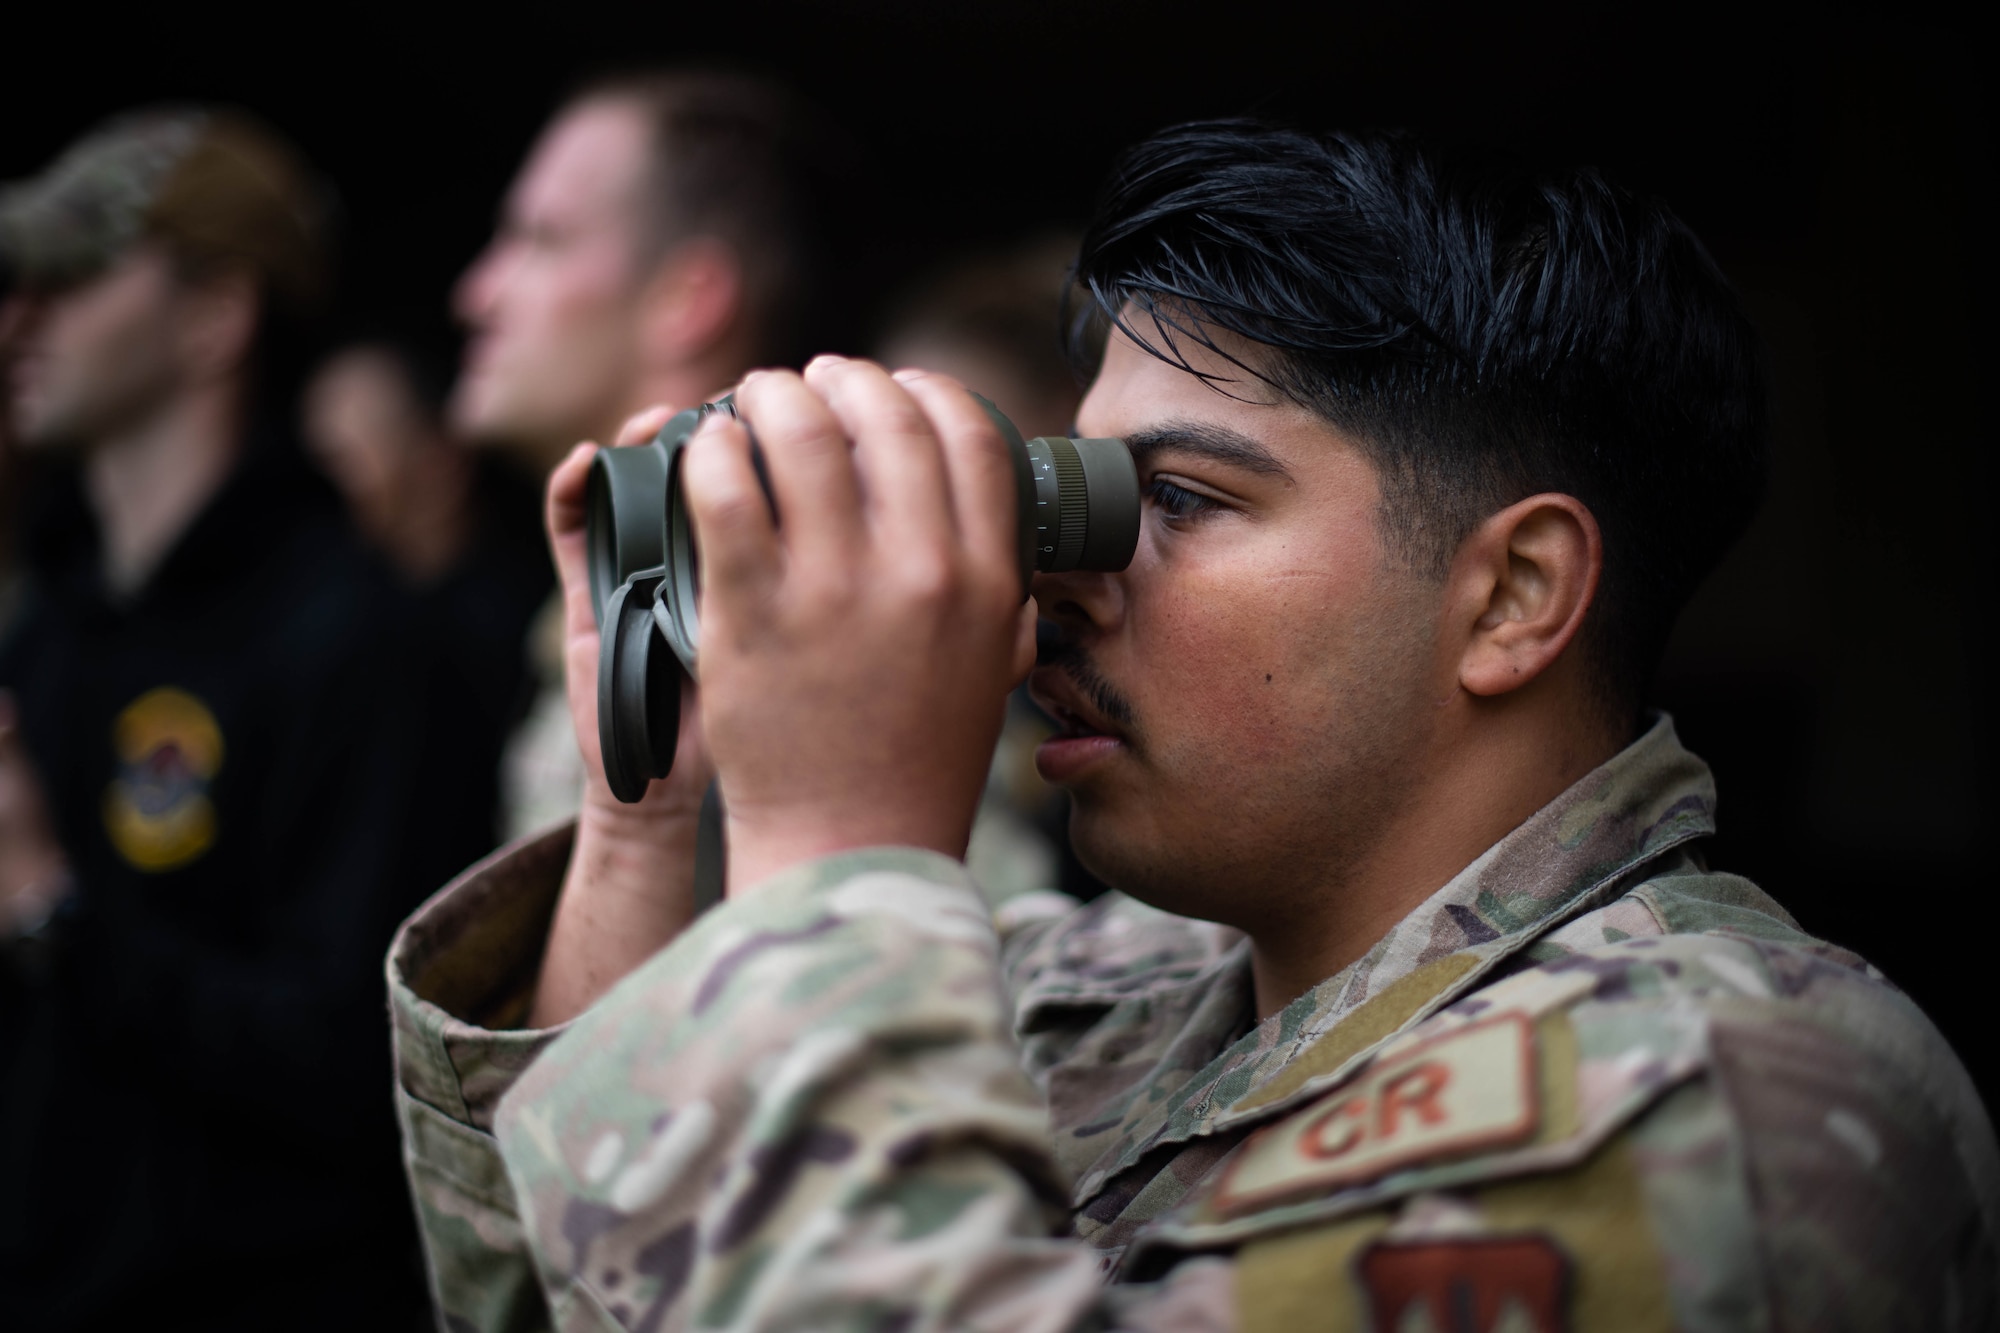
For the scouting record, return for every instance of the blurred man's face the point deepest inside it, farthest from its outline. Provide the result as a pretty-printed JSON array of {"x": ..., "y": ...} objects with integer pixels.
[
  {"x": 1253, "y": 693},
  {"x": 553, "y": 302},
  {"x": 99, "y": 357}
]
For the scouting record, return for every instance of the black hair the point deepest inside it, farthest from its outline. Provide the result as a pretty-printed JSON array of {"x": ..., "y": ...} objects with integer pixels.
[{"x": 1482, "y": 330}]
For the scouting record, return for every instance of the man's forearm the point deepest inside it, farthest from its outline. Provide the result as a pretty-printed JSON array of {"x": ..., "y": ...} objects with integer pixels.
[{"x": 628, "y": 892}]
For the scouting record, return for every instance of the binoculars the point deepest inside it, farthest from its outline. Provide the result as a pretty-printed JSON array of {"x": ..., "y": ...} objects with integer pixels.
[{"x": 1076, "y": 507}]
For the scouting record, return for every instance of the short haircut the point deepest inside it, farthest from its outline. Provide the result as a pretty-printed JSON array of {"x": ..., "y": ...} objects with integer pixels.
[
  {"x": 1484, "y": 332},
  {"x": 746, "y": 161}
]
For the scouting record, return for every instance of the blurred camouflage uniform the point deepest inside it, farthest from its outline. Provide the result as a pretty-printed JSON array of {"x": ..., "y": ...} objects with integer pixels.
[{"x": 1588, "y": 1084}]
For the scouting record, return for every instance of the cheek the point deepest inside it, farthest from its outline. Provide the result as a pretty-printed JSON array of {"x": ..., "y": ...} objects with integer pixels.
[
  {"x": 103, "y": 341},
  {"x": 1269, "y": 647},
  {"x": 584, "y": 297},
  {"x": 79, "y": 335},
  {"x": 1243, "y": 649}
]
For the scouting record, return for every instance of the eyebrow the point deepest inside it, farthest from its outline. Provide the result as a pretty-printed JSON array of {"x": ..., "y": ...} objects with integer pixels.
[{"x": 1217, "y": 443}]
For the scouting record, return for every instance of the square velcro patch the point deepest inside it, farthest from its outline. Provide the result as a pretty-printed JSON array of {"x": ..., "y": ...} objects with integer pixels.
[{"x": 1516, "y": 1283}]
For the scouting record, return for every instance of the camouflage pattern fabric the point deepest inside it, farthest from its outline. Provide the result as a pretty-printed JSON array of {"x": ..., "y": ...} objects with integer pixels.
[
  {"x": 94, "y": 201},
  {"x": 1587, "y": 1085}
]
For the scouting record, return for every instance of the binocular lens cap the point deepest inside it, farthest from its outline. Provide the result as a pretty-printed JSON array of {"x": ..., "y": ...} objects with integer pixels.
[
  {"x": 623, "y": 501},
  {"x": 638, "y": 692}
]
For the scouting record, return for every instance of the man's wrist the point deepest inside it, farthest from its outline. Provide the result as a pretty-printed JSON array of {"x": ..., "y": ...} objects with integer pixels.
[
  {"x": 628, "y": 892},
  {"x": 761, "y": 848},
  {"x": 660, "y": 818},
  {"x": 642, "y": 850}
]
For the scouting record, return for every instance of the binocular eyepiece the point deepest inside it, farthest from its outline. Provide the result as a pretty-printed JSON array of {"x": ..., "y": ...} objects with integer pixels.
[{"x": 1076, "y": 506}]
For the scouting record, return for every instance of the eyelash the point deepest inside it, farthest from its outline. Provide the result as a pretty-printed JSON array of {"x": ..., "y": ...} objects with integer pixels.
[{"x": 1177, "y": 502}]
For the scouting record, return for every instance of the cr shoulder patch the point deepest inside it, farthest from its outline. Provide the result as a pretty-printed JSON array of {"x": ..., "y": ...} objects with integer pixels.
[
  {"x": 1493, "y": 1284},
  {"x": 157, "y": 810},
  {"x": 1468, "y": 1090}
]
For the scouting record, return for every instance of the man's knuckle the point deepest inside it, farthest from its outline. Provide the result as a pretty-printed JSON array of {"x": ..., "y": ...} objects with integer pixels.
[{"x": 928, "y": 578}]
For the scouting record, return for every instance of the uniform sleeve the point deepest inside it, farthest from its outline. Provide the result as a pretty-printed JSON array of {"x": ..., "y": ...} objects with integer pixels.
[
  {"x": 460, "y": 972},
  {"x": 807, "y": 1113}
]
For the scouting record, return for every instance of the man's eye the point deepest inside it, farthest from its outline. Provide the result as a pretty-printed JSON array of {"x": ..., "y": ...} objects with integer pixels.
[{"x": 1179, "y": 502}]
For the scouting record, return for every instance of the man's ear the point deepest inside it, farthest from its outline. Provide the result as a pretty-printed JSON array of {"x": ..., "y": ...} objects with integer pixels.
[
  {"x": 693, "y": 301},
  {"x": 1522, "y": 581}
]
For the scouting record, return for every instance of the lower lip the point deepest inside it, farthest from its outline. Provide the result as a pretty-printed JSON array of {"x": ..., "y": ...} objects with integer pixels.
[{"x": 1066, "y": 758}]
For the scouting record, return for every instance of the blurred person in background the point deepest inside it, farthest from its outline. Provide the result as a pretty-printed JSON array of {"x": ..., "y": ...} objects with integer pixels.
[
  {"x": 667, "y": 233},
  {"x": 219, "y": 713},
  {"x": 461, "y": 530},
  {"x": 991, "y": 321},
  {"x": 10, "y": 479},
  {"x": 33, "y": 872},
  {"x": 375, "y": 426}
]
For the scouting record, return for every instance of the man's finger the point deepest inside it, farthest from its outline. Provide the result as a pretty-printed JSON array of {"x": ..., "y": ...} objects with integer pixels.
[
  {"x": 1024, "y": 642},
  {"x": 643, "y": 426},
  {"x": 978, "y": 468},
  {"x": 896, "y": 451},
  {"x": 565, "y": 514},
  {"x": 811, "y": 466},
  {"x": 567, "y": 486},
  {"x": 740, "y": 557}
]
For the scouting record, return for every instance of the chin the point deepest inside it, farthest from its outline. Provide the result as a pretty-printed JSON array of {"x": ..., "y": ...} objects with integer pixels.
[{"x": 1137, "y": 861}]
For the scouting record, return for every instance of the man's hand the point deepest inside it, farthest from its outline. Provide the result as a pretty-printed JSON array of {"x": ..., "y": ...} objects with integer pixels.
[
  {"x": 856, "y": 655},
  {"x": 34, "y": 874},
  {"x": 630, "y": 886}
]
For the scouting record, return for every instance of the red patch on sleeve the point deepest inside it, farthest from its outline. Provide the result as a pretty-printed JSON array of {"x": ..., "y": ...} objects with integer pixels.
[{"x": 1470, "y": 1285}]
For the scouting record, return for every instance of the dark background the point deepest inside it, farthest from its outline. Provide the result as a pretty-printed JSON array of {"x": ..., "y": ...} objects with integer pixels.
[{"x": 1840, "y": 170}]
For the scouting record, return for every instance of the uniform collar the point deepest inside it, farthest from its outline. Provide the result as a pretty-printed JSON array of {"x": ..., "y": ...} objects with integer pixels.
[{"x": 1571, "y": 856}]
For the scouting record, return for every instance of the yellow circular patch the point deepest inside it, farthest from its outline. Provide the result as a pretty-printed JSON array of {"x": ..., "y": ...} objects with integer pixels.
[{"x": 157, "y": 810}]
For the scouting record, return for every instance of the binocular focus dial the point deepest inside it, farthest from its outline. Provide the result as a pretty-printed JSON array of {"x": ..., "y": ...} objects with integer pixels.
[{"x": 1086, "y": 509}]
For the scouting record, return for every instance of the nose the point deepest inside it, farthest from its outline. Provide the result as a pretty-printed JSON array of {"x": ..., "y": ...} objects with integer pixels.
[
  {"x": 1080, "y": 603},
  {"x": 472, "y": 297}
]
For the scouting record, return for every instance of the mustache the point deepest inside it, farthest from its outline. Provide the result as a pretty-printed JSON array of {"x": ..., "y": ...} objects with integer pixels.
[{"x": 1054, "y": 648}]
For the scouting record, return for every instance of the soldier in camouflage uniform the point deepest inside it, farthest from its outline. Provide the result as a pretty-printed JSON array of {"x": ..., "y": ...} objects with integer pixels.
[{"x": 1421, "y": 1009}]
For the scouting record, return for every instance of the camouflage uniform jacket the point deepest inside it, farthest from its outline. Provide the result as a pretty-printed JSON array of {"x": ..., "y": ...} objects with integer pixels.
[{"x": 1588, "y": 1084}]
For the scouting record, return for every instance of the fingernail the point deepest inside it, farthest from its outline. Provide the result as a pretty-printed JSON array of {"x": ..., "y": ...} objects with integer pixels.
[{"x": 907, "y": 374}]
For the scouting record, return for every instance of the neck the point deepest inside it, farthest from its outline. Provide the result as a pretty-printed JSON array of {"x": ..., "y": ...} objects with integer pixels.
[
  {"x": 1489, "y": 766},
  {"x": 684, "y": 386},
  {"x": 147, "y": 483}
]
